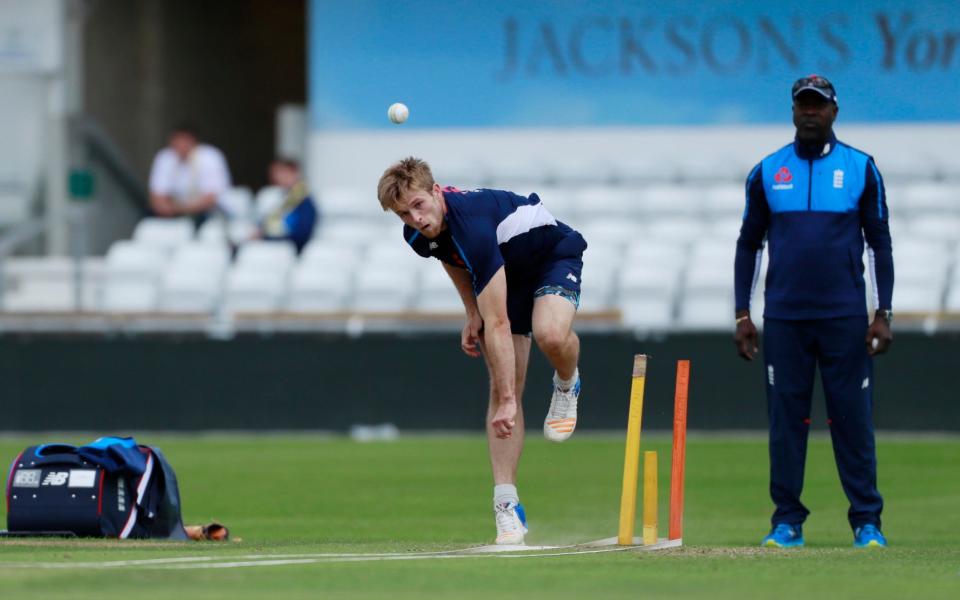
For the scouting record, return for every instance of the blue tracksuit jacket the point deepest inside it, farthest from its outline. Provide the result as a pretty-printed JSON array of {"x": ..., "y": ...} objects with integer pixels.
[{"x": 815, "y": 212}]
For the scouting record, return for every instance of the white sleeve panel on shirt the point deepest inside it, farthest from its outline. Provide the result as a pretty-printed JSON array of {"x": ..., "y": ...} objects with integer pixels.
[
  {"x": 872, "y": 260},
  {"x": 162, "y": 173},
  {"x": 758, "y": 261},
  {"x": 522, "y": 220},
  {"x": 212, "y": 172}
]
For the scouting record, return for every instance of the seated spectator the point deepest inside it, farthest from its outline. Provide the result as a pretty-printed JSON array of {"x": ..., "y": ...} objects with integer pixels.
[
  {"x": 295, "y": 217},
  {"x": 187, "y": 177}
]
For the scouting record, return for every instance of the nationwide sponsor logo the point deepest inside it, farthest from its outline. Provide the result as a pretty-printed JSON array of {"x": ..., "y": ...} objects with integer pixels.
[
  {"x": 770, "y": 377},
  {"x": 56, "y": 478},
  {"x": 783, "y": 179},
  {"x": 838, "y": 179},
  {"x": 28, "y": 478},
  {"x": 783, "y": 175}
]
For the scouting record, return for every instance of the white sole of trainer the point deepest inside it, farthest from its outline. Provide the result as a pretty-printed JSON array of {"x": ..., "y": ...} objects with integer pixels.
[
  {"x": 559, "y": 430},
  {"x": 510, "y": 540}
]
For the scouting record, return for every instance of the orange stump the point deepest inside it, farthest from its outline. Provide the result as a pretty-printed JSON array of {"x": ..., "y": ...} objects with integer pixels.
[{"x": 679, "y": 456}]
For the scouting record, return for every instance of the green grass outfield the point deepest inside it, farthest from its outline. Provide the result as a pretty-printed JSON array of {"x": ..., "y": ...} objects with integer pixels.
[{"x": 302, "y": 494}]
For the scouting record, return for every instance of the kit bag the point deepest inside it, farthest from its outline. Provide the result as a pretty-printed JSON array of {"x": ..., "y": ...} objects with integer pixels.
[{"x": 110, "y": 488}]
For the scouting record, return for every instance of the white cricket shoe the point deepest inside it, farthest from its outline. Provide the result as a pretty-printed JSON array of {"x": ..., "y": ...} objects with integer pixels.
[
  {"x": 562, "y": 417},
  {"x": 511, "y": 523}
]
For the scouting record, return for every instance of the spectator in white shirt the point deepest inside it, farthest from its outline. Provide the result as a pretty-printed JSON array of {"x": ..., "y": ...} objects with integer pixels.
[{"x": 187, "y": 177}]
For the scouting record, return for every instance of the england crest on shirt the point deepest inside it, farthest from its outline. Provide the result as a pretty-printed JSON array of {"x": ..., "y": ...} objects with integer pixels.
[{"x": 838, "y": 179}]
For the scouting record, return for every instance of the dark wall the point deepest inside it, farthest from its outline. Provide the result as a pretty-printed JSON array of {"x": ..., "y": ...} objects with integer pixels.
[
  {"x": 417, "y": 382},
  {"x": 224, "y": 65}
]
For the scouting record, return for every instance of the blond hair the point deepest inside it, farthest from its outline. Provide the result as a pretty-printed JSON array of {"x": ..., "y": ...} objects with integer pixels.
[{"x": 408, "y": 174}]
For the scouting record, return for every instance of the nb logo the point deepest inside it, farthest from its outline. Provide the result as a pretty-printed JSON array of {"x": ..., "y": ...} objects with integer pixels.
[
  {"x": 572, "y": 277},
  {"x": 56, "y": 478}
]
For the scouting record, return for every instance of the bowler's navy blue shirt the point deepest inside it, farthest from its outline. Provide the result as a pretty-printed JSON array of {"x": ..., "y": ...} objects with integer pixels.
[
  {"x": 815, "y": 212},
  {"x": 489, "y": 229}
]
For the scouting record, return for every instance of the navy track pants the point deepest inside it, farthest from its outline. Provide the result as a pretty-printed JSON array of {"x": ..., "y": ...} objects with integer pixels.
[{"x": 792, "y": 352}]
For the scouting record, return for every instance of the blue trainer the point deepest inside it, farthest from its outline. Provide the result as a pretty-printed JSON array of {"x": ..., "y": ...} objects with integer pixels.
[
  {"x": 784, "y": 536},
  {"x": 867, "y": 536}
]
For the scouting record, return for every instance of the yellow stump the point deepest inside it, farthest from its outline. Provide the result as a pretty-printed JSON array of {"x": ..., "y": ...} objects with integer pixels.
[
  {"x": 631, "y": 461},
  {"x": 649, "y": 497}
]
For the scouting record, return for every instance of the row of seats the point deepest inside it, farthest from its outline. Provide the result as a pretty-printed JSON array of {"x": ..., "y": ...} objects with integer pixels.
[
  {"x": 726, "y": 199},
  {"x": 653, "y": 283},
  {"x": 697, "y": 200}
]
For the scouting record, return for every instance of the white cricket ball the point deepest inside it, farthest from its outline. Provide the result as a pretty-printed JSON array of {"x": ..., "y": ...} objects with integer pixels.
[{"x": 398, "y": 112}]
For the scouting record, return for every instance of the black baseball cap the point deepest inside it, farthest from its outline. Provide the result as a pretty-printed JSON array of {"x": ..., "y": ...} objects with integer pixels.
[{"x": 817, "y": 84}]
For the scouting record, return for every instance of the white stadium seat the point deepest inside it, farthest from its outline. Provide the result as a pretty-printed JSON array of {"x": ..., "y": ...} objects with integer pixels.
[
  {"x": 163, "y": 232},
  {"x": 213, "y": 229},
  {"x": 132, "y": 261},
  {"x": 254, "y": 291},
  {"x": 936, "y": 227},
  {"x": 707, "y": 311},
  {"x": 705, "y": 276},
  {"x": 712, "y": 251},
  {"x": 912, "y": 298},
  {"x": 659, "y": 200},
  {"x": 560, "y": 201},
  {"x": 647, "y": 279},
  {"x": 266, "y": 255},
  {"x": 316, "y": 289},
  {"x": 396, "y": 254},
  {"x": 236, "y": 202},
  {"x": 130, "y": 296},
  {"x": 202, "y": 256},
  {"x": 648, "y": 252},
  {"x": 725, "y": 228},
  {"x": 725, "y": 200},
  {"x": 330, "y": 254},
  {"x": 647, "y": 313},
  {"x": 349, "y": 202},
  {"x": 360, "y": 232},
  {"x": 437, "y": 292},
  {"x": 597, "y": 289},
  {"x": 611, "y": 230},
  {"x": 676, "y": 229},
  {"x": 383, "y": 289},
  {"x": 190, "y": 290},
  {"x": 607, "y": 201},
  {"x": 928, "y": 197}
]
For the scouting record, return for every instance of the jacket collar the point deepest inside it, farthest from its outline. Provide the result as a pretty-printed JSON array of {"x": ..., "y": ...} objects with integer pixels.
[{"x": 807, "y": 153}]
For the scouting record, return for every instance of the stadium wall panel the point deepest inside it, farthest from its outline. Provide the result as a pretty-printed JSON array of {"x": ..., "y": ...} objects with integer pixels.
[{"x": 422, "y": 382}]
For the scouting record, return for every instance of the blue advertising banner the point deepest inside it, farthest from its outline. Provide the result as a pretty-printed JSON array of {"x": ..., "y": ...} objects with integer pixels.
[{"x": 509, "y": 63}]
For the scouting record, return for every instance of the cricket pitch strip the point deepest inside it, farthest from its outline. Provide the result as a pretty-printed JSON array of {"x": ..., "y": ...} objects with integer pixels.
[{"x": 271, "y": 560}]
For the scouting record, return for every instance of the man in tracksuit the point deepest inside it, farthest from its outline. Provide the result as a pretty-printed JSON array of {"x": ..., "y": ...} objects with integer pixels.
[{"x": 815, "y": 201}]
